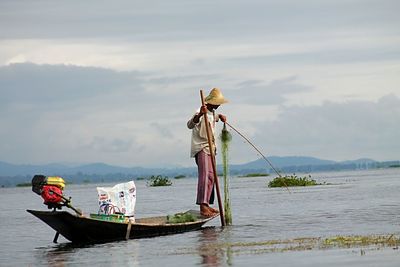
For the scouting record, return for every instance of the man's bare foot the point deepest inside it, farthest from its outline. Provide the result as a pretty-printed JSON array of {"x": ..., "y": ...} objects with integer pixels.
[
  {"x": 214, "y": 210},
  {"x": 206, "y": 211}
]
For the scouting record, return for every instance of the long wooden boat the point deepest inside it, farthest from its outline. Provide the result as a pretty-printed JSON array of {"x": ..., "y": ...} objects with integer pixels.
[{"x": 81, "y": 229}]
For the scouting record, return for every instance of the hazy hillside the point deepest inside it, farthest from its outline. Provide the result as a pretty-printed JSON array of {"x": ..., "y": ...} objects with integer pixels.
[
  {"x": 280, "y": 162},
  {"x": 12, "y": 174}
]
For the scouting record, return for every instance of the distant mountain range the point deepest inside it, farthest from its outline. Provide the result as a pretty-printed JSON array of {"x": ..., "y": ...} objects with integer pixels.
[
  {"x": 305, "y": 164},
  {"x": 13, "y": 174},
  {"x": 279, "y": 162},
  {"x": 8, "y": 169}
]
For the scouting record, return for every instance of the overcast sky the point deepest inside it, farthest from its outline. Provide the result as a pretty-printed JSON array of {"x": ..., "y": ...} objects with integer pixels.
[{"x": 116, "y": 81}]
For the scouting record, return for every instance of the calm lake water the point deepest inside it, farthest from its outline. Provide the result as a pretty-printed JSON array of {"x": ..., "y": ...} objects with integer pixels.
[{"x": 354, "y": 203}]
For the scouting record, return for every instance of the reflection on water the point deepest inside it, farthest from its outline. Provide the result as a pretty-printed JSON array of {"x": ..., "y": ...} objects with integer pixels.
[
  {"x": 116, "y": 253},
  {"x": 211, "y": 255},
  {"x": 56, "y": 256}
]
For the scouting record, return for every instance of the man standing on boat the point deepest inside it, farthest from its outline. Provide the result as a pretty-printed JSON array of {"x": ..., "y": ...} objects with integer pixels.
[{"x": 200, "y": 149}]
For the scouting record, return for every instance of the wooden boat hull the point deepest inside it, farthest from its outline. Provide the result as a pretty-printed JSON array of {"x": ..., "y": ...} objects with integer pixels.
[{"x": 78, "y": 229}]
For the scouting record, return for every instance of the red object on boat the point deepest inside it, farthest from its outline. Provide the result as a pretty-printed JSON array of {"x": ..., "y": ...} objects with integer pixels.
[{"x": 51, "y": 194}]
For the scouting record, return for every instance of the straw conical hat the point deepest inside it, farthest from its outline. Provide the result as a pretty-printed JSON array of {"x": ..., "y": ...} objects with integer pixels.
[{"x": 215, "y": 97}]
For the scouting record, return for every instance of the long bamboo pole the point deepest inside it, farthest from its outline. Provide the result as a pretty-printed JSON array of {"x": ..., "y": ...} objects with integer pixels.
[{"x": 216, "y": 182}]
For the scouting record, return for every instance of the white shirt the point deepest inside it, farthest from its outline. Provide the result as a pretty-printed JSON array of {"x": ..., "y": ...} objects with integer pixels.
[{"x": 199, "y": 133}]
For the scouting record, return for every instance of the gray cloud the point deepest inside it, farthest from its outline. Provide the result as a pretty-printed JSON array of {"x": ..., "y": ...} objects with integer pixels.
[
  {"x": 336, "y": 130},
  {"x": 179, "y": 19},
  {"x": 258, "y": 93},
  {"x": 162, "y": 130},
  {"x": 95, "y": 113},
  {"x": 65, "y": 112},
  {"x": 337, "y": 56},
  {"x": 115, "y": 145},
  {"x": 45, "y": 85},
  {"x": 88, "y": 114},
  {"x": 40, "y": 88}
]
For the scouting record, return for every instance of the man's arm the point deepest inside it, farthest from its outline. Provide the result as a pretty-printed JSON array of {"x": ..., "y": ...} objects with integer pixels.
[
  {"x": 222, "y": 117},
  {"x": 196, "y": 118}
]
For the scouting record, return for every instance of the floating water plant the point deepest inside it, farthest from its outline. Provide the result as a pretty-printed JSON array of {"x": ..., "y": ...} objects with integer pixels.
[
  {"x": 303, "y": 244},
  {"x": 292, "y": 180},
  {"x": 358, "y": 240},
  {"x": 24, "y": 184},
  {"x": 159, "y": 181},
  {"x": 181, "y": 218},
  {"x": 225, "y": 138},
  {"x": 254, "y": 175}
]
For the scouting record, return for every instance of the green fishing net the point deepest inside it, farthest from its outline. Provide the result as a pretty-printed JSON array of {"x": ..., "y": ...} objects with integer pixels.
[{"x": 225, "y": 138}]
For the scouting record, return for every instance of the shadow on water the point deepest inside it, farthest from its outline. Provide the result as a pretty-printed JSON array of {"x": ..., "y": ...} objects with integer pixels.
[
  {"x": 56, "y": 255},
  {"x": 59, "y": 254}
]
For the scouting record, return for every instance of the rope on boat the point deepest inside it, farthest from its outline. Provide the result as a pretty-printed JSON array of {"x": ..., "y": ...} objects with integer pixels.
[{"x": 128, "y": 230}]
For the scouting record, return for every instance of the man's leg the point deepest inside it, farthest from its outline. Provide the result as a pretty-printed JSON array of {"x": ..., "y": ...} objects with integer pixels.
[{"x": 204, "y": 183}]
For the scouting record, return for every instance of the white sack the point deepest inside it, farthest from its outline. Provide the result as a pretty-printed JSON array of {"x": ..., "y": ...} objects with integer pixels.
[{"x": 119, "y": 198}]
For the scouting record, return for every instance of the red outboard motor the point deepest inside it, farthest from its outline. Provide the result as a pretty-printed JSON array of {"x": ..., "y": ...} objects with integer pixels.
[
  {"x": 51, "y": 195},
  {"x": 50, "y": 188}
]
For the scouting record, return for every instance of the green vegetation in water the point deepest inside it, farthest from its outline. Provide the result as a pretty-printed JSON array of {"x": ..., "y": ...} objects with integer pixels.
[
  {"x": 24, "y": 184},
  {"x": 358, "y": 240},
  {"x": 254, "y": 175},
  {"x": 292, "y": 180},
  {"x": 159, "y": 181},
  {"x": 305, "y": 244},
  {"x": 181, "y": 218},
  {"x": 180, "y": 176},
  {"x": 225, "y": 138}
]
